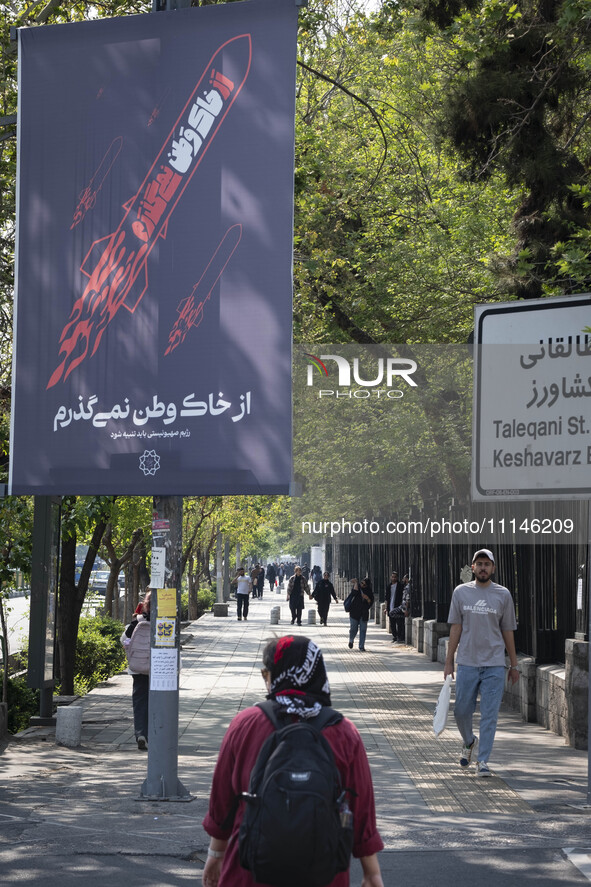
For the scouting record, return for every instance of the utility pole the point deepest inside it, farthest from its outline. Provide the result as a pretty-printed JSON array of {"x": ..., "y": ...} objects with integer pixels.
[{"x": 162, "y": 782}]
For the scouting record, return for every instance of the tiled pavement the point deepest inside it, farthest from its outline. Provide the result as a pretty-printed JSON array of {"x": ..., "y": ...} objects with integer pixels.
[{"x": 423, "y": 799}]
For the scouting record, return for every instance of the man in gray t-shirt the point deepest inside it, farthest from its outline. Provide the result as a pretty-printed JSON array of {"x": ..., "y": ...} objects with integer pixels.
[{"x": 482, "y": 618}]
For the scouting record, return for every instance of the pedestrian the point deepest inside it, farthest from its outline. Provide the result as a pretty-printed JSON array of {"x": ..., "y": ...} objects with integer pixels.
[
  {"x": 243, "y": 586},
  {"x": 482, "y": 618},
  {"x": 361, "y": 601},
  {"x": 322, "y": 594},
  {"x": 393, "y": 599},
  {"x": 136, "y": 641},
  {"x": 281, "y": 574},
  {"x": 271, "y": 575},
  {"x": 398, "y": 614},
  {"x": 261, "y": 581},
  {"x": 296, "y": 587},
  {"x": 315, "y": 576},
  {"x": 295, "y": 677}
]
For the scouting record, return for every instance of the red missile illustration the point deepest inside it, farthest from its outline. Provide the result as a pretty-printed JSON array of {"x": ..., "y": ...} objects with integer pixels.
[
  {"x": 116, "y": 265},
  {"x": 190, "y": 313},
  {"x": 87, "y": 198}
]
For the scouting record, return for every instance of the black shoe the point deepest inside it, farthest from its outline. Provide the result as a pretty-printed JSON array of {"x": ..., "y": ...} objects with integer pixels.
[
  {"x": 299, "y": 623},
  {"x": 350, "y": 645},
  {"x": 142, "y": 743},
  {"x": 292, "y": 621}
]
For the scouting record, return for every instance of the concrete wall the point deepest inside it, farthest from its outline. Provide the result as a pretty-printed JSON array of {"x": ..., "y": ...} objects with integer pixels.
[
  {"x": 551, "y": 709},
  {"x": 432, "y": 633},
  {"x": 576, "y": 682}
]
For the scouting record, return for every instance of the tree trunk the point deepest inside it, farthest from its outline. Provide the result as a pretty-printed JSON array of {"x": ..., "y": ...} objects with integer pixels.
[{"x": 70, "y": 601}]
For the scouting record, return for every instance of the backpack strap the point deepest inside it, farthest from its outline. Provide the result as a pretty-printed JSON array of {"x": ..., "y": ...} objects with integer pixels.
[{"x": 326, "y": 718}]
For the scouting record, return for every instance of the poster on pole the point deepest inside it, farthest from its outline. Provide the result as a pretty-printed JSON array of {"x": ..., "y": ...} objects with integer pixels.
[
  {"x": 154, "y": 253},
  {"x": 532, "y": 400}
]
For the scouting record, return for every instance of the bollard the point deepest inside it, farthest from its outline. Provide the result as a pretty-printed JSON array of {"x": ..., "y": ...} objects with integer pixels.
[
  {"x": 220, "y": 609},
  {"x": 311, "y": 617},
  {"x": 275, "y": 615},
  {"x": 68, "y": 726}
]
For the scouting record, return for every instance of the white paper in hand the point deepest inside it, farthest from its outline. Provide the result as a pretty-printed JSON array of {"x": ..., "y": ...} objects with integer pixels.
[{"x": 442, "y": 708}]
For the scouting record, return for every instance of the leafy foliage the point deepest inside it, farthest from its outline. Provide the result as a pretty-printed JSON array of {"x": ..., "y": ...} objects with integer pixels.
[{"x": 99, "y": 653}]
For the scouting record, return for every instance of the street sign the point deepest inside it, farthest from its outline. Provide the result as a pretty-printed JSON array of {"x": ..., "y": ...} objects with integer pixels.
[{"x": 532, "y": 400}]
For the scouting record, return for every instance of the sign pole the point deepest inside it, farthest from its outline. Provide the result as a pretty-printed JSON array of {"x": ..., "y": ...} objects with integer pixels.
[
  {"x": 588, "y": 569},
  {"x": 162, "y": 782}
]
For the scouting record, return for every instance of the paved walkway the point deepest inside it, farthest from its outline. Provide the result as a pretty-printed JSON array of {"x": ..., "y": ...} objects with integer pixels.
[{"x": 82, "y": 801}]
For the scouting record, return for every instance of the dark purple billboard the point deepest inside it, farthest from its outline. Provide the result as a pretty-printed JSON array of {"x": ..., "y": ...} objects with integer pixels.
[{"x": 152, "y": 349}]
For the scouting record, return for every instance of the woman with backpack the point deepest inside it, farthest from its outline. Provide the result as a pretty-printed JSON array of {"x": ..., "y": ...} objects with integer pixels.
[
  {"x": 298, "y": 692},
  {"x": 136, "y": 640}
]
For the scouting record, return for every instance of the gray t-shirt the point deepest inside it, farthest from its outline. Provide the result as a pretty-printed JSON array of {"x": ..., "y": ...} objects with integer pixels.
[{"x": 483, "y": 614}]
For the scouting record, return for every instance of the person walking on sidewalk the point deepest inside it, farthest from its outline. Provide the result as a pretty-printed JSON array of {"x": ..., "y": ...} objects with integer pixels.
[
  {"x": 361, "y": 601},
  {"x": 482, "y": 618},
  {"x": 243, "y": 587},
  {"x": 393, "y": 599},
  {"x": 322, "y": 594},
  {"x": 296, "y": 587},
  {"x": 136, "y": 642},
  {"x": 295, "y": 678}
]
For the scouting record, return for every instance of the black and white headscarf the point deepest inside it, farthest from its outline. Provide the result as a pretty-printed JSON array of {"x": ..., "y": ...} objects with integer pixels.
[{"x": 299, "y": 681}]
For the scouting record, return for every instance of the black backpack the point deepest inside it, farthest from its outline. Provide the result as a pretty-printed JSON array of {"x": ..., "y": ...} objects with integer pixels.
[{"x": 297, "y": 827}]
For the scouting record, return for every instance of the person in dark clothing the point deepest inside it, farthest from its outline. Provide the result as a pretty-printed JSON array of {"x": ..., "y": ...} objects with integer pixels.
[
  {"x": 322, "y": 594},
  {"x": 393, "y": 599},
  {"x": 296, "y": 587},
  {"x": 362, "y": 599},
  {"x": 271, "y": 575}
]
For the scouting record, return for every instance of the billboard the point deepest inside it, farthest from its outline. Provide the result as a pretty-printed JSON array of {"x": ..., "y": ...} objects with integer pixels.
[
  {"x": 154, "y": 254},
  {"x": 532, "y": 381}
]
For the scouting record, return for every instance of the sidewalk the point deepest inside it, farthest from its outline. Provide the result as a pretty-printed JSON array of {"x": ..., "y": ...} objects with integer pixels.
[{"x": 72, "y": 813}]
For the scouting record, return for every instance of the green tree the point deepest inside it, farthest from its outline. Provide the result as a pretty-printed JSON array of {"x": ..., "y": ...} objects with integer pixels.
[
  {"x": 516, "y": 101},
  {"x": 85, "y": 517}
]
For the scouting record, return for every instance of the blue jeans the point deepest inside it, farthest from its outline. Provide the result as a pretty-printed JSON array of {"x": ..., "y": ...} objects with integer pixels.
[
  {"x": 242, "y": 602},
  {"x": 490, "y": 682},
  {"x": 355, "y": 624}
]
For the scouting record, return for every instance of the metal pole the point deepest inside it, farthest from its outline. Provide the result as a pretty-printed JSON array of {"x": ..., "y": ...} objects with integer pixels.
[
  {"x": 588, "y": 568},
  {"x": 219, "y": 596},
  {"x": 44, "y": 586},
  {"x": 162, "y": 782}
]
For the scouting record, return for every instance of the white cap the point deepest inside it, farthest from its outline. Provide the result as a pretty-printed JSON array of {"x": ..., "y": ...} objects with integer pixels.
[{"x": 485, "y": 552}]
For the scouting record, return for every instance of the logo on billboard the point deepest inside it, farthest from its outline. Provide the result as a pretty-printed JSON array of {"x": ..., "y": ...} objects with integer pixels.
[
  {"x": 149, "y": 462},
  {"x": 384, "y": 374}
]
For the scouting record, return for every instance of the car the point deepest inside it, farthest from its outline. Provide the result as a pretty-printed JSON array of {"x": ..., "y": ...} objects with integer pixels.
[{"x": 98, "y": 581}]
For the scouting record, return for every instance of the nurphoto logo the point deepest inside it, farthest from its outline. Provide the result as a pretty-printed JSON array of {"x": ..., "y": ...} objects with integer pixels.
[{"x": 382, "y": 375}]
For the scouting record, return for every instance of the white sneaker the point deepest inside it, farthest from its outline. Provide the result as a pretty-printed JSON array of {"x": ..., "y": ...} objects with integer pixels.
[
  {"x": 482, "y": 769},
  {"x": 467, "y": 752}
]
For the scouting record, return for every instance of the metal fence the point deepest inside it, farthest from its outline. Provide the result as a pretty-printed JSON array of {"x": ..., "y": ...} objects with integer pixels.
[{"x": 548, "y": 581}]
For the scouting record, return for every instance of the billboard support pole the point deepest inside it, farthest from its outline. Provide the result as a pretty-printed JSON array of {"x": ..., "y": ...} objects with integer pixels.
[
  {"x": 162, "y": 782},
  {"x": 588, "y": 567}
]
